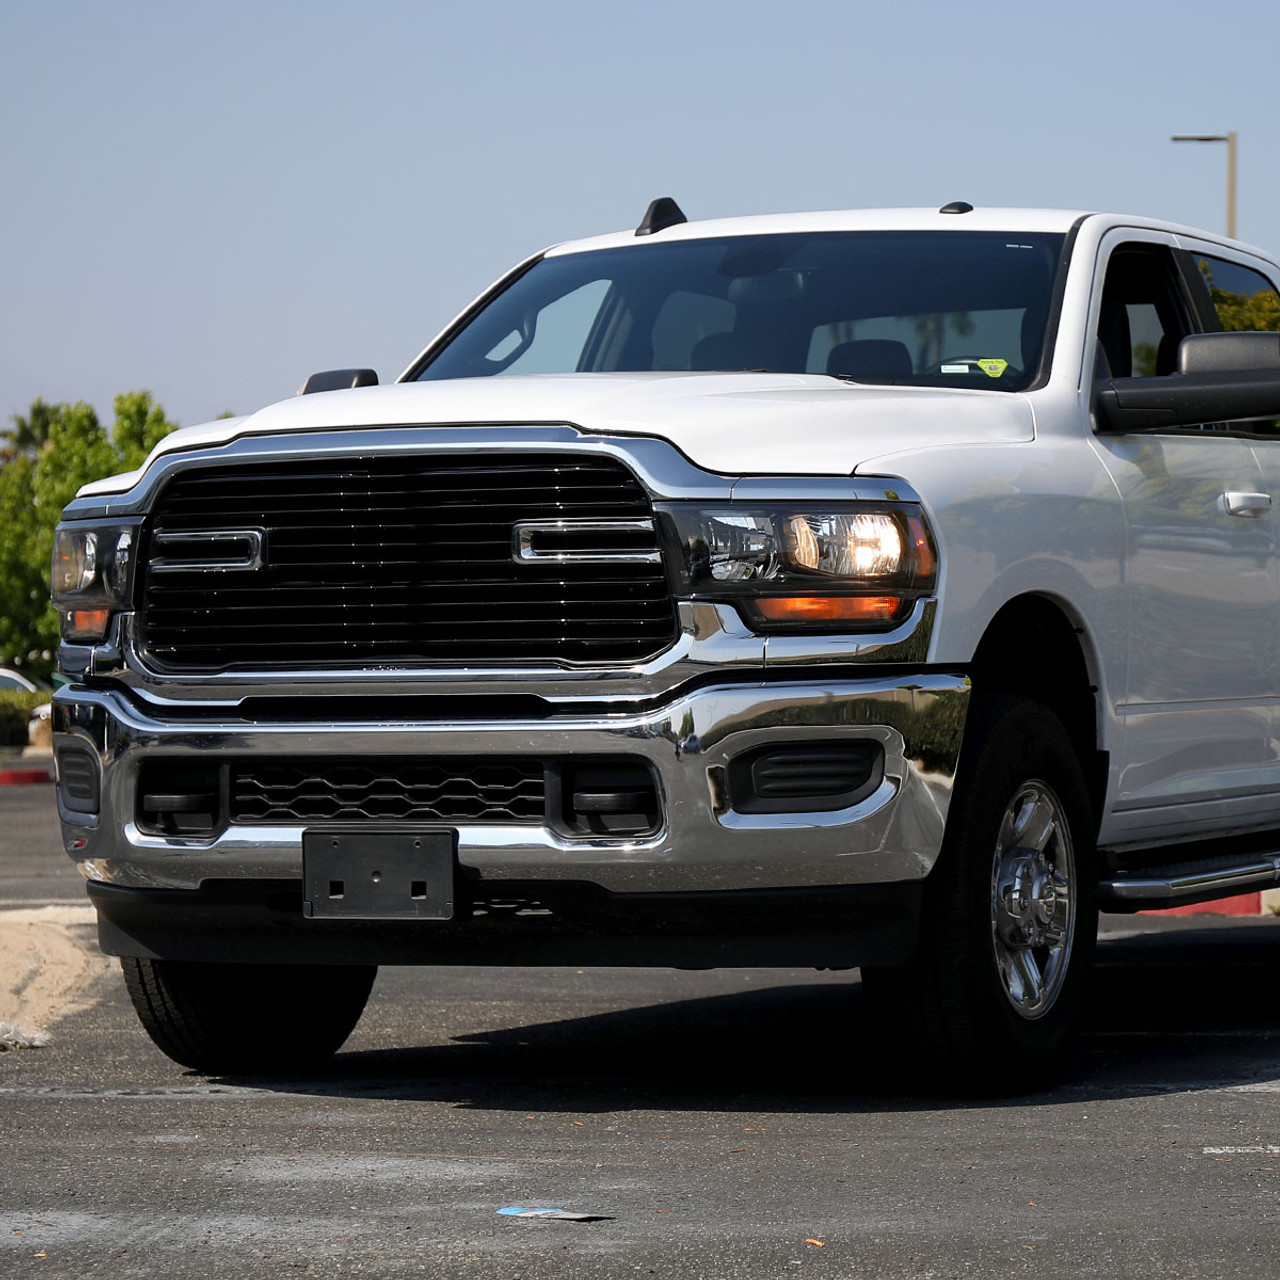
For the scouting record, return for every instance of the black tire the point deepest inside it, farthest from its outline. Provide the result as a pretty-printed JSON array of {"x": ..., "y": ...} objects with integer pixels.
[
  {"x": 251, "y": 1019},
  {"x": 963, "y": 1016}
]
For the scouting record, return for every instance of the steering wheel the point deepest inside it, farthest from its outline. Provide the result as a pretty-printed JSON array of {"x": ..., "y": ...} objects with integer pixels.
[{"x": 973, "y": 367}]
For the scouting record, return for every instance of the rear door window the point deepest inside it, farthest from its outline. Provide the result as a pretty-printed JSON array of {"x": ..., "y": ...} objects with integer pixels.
[{"x": 1244, "y": 299}]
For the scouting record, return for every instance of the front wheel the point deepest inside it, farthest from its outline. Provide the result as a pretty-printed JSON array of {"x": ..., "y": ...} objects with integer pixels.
[
  {"x": 247, "y": 1018},
  {"x": 993, "y": 996}
]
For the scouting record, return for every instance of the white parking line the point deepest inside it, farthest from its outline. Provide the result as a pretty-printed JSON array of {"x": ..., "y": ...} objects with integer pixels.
[
  {"x": 1269, "y": 1150},
  {"x": 142, "y": 1093},
  {"x": 31, "y": 904}
]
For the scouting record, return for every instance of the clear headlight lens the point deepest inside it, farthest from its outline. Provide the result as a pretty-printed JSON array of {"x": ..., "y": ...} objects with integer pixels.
[
  {"x": 834, "y": 567},
  {"x": 92, "y": 576},
  {"x": 75, "y": 561},
  {"x": 745, "y": 548}
]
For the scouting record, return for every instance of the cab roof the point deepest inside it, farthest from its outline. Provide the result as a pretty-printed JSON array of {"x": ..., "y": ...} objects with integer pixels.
[{"x": 1051, "y": 221}]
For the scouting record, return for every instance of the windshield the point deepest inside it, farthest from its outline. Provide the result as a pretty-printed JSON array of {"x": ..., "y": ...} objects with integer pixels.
[{"x": 966, "y": 309}]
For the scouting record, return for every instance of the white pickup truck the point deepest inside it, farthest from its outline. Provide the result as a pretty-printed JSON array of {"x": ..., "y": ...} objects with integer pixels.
[{"x": 879, "y": 588}]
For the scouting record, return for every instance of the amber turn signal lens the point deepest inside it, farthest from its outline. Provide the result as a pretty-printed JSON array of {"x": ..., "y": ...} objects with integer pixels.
[
  {"x": 925, "y": 564},
  {"x": 829, "y": 608},
  {"x": 86, "y": 624}
]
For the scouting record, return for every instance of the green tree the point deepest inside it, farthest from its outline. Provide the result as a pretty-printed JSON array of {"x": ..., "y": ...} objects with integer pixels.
[
  {"x": 24, "y": 590},
  {"x": 36, "y": 483},
  {"x": 27, "y": 432},
  {"x": 1242, "y": 312},
  {"x": 140, "y": 425}
]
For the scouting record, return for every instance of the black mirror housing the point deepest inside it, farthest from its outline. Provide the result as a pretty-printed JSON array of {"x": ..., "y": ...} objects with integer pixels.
[
  {"x": 338, "y": 380},
  {"x": 1187, "y": 399},
  {"x": 1222, "y": 377},
  {"x": 1228, "y": 352}
]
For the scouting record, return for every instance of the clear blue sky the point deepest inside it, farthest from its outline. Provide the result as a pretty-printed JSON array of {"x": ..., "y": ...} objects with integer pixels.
[{"x": 212, "y": 201}]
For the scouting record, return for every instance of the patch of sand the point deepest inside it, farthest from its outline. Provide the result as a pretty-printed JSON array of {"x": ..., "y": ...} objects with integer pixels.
[{"x": 48, "y": 961}]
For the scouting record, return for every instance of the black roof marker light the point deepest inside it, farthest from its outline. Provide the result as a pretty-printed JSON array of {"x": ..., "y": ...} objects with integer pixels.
[
  {"x": 661, "y": 214},
  {"x": 957, "y": 206}
]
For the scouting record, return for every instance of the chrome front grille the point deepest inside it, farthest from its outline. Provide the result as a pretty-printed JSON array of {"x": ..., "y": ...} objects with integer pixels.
[{"x": 331, "y": 563}]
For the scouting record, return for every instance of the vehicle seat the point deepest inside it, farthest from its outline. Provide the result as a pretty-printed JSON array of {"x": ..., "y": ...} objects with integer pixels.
[
  {"x": 1167, "y": 355},
  {"x": 879, "y": 359},
  {"x": 724, "y": 352},
  {"x": 1113, "y": 333}
]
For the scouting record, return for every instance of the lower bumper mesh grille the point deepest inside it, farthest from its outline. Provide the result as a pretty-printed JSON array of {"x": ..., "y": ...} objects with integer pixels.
[{"x": 337, "y": 790}]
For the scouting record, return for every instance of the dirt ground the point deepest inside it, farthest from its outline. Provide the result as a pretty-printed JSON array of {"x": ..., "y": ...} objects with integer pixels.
[{"x": 49, "y": 960}]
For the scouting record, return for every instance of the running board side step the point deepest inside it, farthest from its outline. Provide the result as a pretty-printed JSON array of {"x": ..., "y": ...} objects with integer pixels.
[{"x": 1180, "y": 885}]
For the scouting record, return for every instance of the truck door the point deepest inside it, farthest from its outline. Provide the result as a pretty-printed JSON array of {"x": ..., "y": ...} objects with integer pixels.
[{"x": 1197, "y": 741}]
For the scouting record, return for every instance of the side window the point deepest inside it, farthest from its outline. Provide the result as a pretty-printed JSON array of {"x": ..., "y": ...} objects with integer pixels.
[
  {"x": 1144, "y": 315},
  {"x": 1243, "y": 298}
]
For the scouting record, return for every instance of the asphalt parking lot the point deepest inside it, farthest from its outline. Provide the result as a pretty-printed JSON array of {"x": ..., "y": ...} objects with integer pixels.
[{"x": 726, "y": 1124}]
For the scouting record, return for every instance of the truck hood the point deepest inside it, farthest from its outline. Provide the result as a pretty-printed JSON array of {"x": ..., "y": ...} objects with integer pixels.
[{"x": 729, "y": 423}]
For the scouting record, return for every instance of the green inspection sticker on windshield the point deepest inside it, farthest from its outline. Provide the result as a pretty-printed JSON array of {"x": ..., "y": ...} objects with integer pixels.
[{"x": 993, "y": 368}]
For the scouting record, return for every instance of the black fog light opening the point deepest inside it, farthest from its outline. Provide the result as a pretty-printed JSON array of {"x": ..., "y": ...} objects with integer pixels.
[
  {"x": 617, "y": 798},
  {"x": 79, "y": 787},
  {"x": 181, "y": 798},
  {"x": 816, "y": 777}
]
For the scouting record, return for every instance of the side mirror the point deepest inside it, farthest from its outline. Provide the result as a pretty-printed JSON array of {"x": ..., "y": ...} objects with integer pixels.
[
  {"x": 1228, "y": 352},
  {"x": 1222, "y": 377},
  {"x": 338, "y": 380}
]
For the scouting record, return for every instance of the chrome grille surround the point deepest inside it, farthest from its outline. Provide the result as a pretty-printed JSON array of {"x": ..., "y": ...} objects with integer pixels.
[{"x": 403, "y": 560}]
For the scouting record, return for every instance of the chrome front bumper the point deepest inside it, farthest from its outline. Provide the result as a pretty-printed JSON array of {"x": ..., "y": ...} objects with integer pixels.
[{"x": 893, "y": 835}]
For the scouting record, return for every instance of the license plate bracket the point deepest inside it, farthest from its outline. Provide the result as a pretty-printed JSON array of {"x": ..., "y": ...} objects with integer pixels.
[{"x": 378, "y": 873}]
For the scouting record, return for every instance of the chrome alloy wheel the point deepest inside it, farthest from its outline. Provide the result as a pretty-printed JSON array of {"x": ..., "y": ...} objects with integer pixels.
[{"x": 1033, "y": 910}]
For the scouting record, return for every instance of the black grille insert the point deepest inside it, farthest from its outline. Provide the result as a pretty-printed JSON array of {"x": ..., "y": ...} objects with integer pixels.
[
  {"x": 323, "y": 790},
  {"x": 398, "y": 561}
]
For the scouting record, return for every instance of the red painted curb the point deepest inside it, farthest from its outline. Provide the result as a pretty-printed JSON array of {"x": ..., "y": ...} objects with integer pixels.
[
  {"x": 23, "y": 777},
  {"x": 1244, "y": 904}
]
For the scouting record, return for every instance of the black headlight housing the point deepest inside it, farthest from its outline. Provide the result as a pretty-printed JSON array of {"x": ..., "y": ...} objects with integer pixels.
[
  {"x": 796, "y": 566},
  {"x": 92, "y": 575}
]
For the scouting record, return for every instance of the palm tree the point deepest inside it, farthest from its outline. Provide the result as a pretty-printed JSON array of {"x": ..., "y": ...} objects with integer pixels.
[
  {"x": 931, "y": 333},
  {"x": 29, "y": 432}
]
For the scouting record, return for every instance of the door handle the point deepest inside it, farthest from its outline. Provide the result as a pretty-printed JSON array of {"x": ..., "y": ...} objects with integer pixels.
[{"x": 1249, "y": 505}]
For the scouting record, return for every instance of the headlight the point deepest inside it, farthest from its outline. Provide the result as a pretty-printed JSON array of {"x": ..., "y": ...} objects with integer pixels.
[
  {"x": 834, "y": 566},
  {"x": 92, "y": 576}
]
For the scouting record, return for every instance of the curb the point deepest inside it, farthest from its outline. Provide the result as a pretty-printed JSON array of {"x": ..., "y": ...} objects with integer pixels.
[
  {"x": 24, "y": 777},
  {"x": 1244, "y": 904}
]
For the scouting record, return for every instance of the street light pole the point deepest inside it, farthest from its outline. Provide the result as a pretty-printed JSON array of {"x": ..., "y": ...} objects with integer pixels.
[
  {"x": 1230, "y": 140},
  {"x": 1231, "y": 184}
]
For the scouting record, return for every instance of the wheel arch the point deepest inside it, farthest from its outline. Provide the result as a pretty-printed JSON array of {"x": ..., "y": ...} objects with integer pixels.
[{"x": 1036, "y": 646}]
